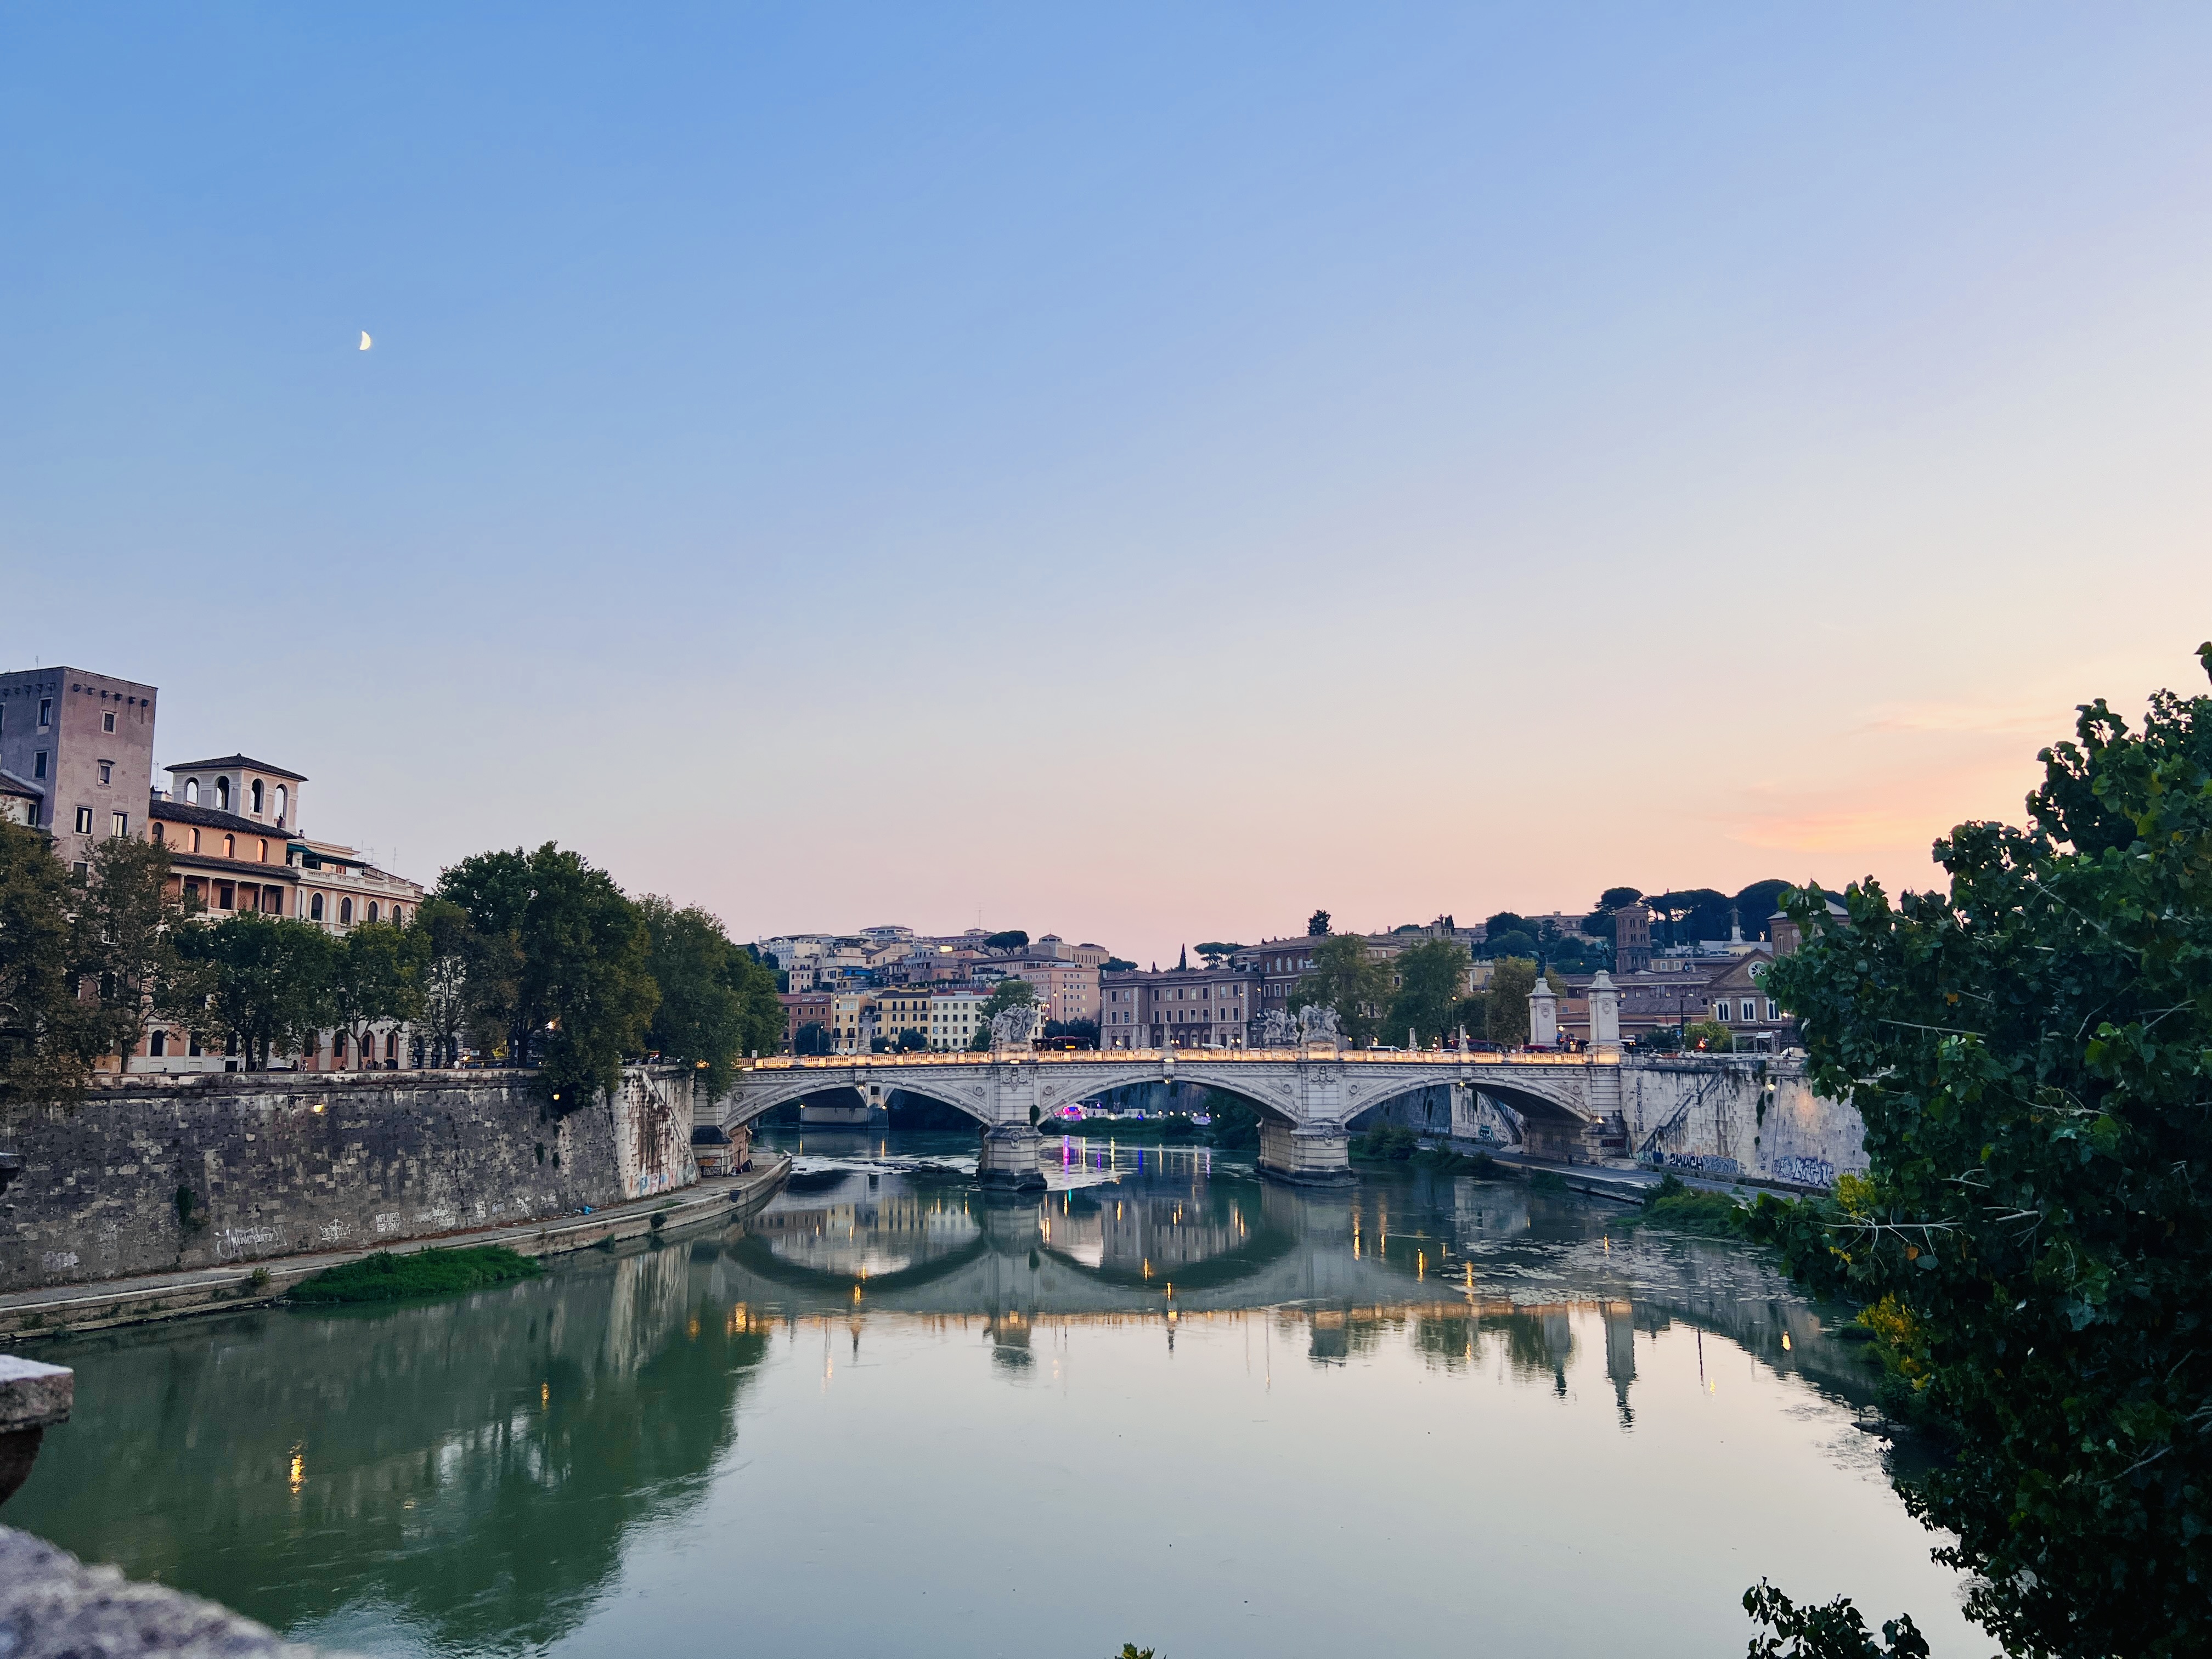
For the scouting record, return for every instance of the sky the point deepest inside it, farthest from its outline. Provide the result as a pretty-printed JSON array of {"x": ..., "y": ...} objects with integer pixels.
[{"x": 1142, "y": 472}]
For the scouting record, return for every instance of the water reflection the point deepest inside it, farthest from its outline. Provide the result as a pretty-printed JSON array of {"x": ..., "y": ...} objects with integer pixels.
[
  {"x": 464, "y": 1476},
  {"x": 469, "y": 1468}
]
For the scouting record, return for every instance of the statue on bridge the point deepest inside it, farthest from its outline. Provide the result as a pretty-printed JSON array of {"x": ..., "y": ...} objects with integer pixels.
[
  {"x": 1277, "y": 1029},
  {"x": 1318, "y": 1024},
  {"x": 1017, "y": 1027}
]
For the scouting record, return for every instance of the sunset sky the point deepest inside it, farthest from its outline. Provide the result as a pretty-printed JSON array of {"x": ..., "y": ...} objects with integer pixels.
[{"x": 1141, "y": 473}]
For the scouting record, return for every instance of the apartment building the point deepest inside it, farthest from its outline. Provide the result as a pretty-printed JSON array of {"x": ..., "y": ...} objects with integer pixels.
[
  {"x": 954, "y": 1015},
  {"x": 1180, "y": 1008}
]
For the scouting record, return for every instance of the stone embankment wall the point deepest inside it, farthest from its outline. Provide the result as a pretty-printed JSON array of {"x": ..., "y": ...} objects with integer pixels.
[
  {"x": 153, "y": 1173},
  {"x": 1739, "y": 1116}
]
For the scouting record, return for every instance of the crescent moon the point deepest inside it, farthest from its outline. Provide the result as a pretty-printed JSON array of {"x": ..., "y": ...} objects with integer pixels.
[{"x": 364, "y": 339}]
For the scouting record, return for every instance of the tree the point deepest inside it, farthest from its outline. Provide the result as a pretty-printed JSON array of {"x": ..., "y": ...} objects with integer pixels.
[
  {"x": 373, "y": 978},
  {"x": 1710, "y": 1034},
  {"x": 585, "y": 951},
  {"x": 812, "y": 1037},
  {"x": 1008, "y": 992},
  {"x": 1431, "y": 980},
  {"x": 1013, "y": 939},
  {"x": 1215, "y": 953},
  {"x": 440, "y": 940},
  {"x": 1511, "y": 980},
  {"x": 1317, "y": 924},
  {"x": 911, "y": 1039},
  {"x": 557, "y": 974},
  {"x": 1613, "y": 897},
  {"x": 1344, "y": 978},
  {"x": 761, "y": 1027},
  {"x": 269, "y": 981},
  {"x": 1513, "y": 942},
  {"x": 128, "y": 925},
  {"x": 50, "y": 1036},
  {"x": 1116, "y": 965},
  {"x": 1084, "y": 1033},
  {"x": 493, "y": 891},
  {"x": 2031, "y": 1053},
  {"x": 701, "y": 1016}
]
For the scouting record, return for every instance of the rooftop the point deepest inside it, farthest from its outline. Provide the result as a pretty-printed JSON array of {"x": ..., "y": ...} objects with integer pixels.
[{"x": 242, "y": 763}]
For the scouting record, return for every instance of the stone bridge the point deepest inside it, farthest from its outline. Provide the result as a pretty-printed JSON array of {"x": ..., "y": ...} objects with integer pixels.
[{"x": 1306, "y": 1097}]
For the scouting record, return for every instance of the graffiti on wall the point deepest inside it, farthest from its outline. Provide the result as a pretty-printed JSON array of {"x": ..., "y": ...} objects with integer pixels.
[{"x": 1805, "y": 1172}]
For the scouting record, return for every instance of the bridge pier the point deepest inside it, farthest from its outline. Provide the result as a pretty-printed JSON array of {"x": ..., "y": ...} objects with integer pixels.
[
  {"x": 1009, "y": 1158},
  {"x": 821, "y": 1115},
  {"x": 1309, "y": 1157}
]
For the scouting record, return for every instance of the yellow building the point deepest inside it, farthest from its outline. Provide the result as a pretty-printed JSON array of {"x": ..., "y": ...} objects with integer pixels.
[{"x": 901, "y": 1011}]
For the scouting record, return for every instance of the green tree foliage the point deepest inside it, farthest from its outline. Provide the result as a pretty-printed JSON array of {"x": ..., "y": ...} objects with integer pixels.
[
  {"x": 1431, "y": 981},
  {"x": 1834, "y": 1631},
  {"x": 1013, "y": 938},
  {"x": 1116, "y": 965},
  {"x": 1215, "y": 952},
  {"x": 1506, "y": 1000},
  {"x": 812, "y": 1037},
  {"x": 557, "y": 969},
  {"x": 703, "y": 1015},
  {"x": 910, "y": 1041},
  {"x": 2031, "y": 1053},
  {"x": 375, "y": 975},
  {"x": 757, "y": 985},
  {"x": 1710, "y": 1034},
  {"x": 440, "y": 940},
  {"x": 269, "y": 983},
  {"x": 129, "y": 928},
  {"x": 49, "y": 1034},
  {"x": 1317, "y": 924},
  {"x": 585, "y": 951},
  {"x": 1343, "y": 978},
  {"x": 493, "y": 891}
]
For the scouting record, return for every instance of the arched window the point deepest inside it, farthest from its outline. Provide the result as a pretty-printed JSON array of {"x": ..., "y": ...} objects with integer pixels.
[
  {"x": 345, "y": 911},
  {"x": 264, "y": 849},
  {"x": 371, "y": 909},
  {"x": 257, "y": 798},
  {"x": 191, "y": 792},
  {"x": 223, "y": 794},
  {"x": 392, "y": 1051},
  {"x": 158, "y": 1044},
  {"x": 159, "y": 835},
  {"x": 399, "y": 915},
  {"x": 315, "y": 907},
  {"x": 230, "y": 847},
  {"x": 196, "y": 840},
  {"x": 283, "y": 803}
]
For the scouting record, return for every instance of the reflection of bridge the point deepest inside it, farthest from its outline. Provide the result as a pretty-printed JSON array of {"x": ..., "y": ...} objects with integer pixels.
[
  {"x": 1306, "y": 1097},
  {"x": 1189, "y": 1240}
]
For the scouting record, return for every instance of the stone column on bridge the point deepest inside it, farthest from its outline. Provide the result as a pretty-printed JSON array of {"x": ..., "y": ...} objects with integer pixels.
[
  {"x": 1604, "y": 1014},
  {"x": 1543, "y": 1015},
  {"x": 1319, "y": 1156},
  {"x": 1010, "y": 1159}
]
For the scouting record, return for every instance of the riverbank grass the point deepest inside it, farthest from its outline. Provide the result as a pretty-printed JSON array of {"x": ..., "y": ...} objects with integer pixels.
[{"x": 384, "y": 1277}]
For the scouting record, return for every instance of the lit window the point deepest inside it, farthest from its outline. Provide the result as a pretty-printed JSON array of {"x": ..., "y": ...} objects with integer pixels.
[
  {"x": 230, "y": 847},
  {"x": 84, "y": 820},
  {"x": 121, "y": 821}
]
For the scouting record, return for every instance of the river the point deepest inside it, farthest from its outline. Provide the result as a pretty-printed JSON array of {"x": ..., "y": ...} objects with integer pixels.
[{"x": 1169, "y": 1403}]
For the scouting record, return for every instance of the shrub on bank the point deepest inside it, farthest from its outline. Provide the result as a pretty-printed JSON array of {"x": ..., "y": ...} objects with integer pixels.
[{"x": 384, "y": 1277}]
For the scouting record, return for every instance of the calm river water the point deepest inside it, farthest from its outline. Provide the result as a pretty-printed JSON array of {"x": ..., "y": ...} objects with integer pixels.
[{"x": 1168, "y": 1404}]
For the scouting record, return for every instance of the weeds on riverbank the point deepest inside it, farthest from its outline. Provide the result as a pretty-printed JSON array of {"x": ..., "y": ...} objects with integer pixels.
[
  {"x": 1674, "y": 1203},
  {"x": 384, "y": 1277}
]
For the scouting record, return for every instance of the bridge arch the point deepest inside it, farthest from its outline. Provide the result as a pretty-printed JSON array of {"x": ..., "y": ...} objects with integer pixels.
[{"x": 753, "y": 1103}]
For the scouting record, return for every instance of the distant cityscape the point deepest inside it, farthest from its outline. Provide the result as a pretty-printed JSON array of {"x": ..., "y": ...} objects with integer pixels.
[
  {"x": 888, "y": 986},
  {"x": 76, "y": 760}
]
